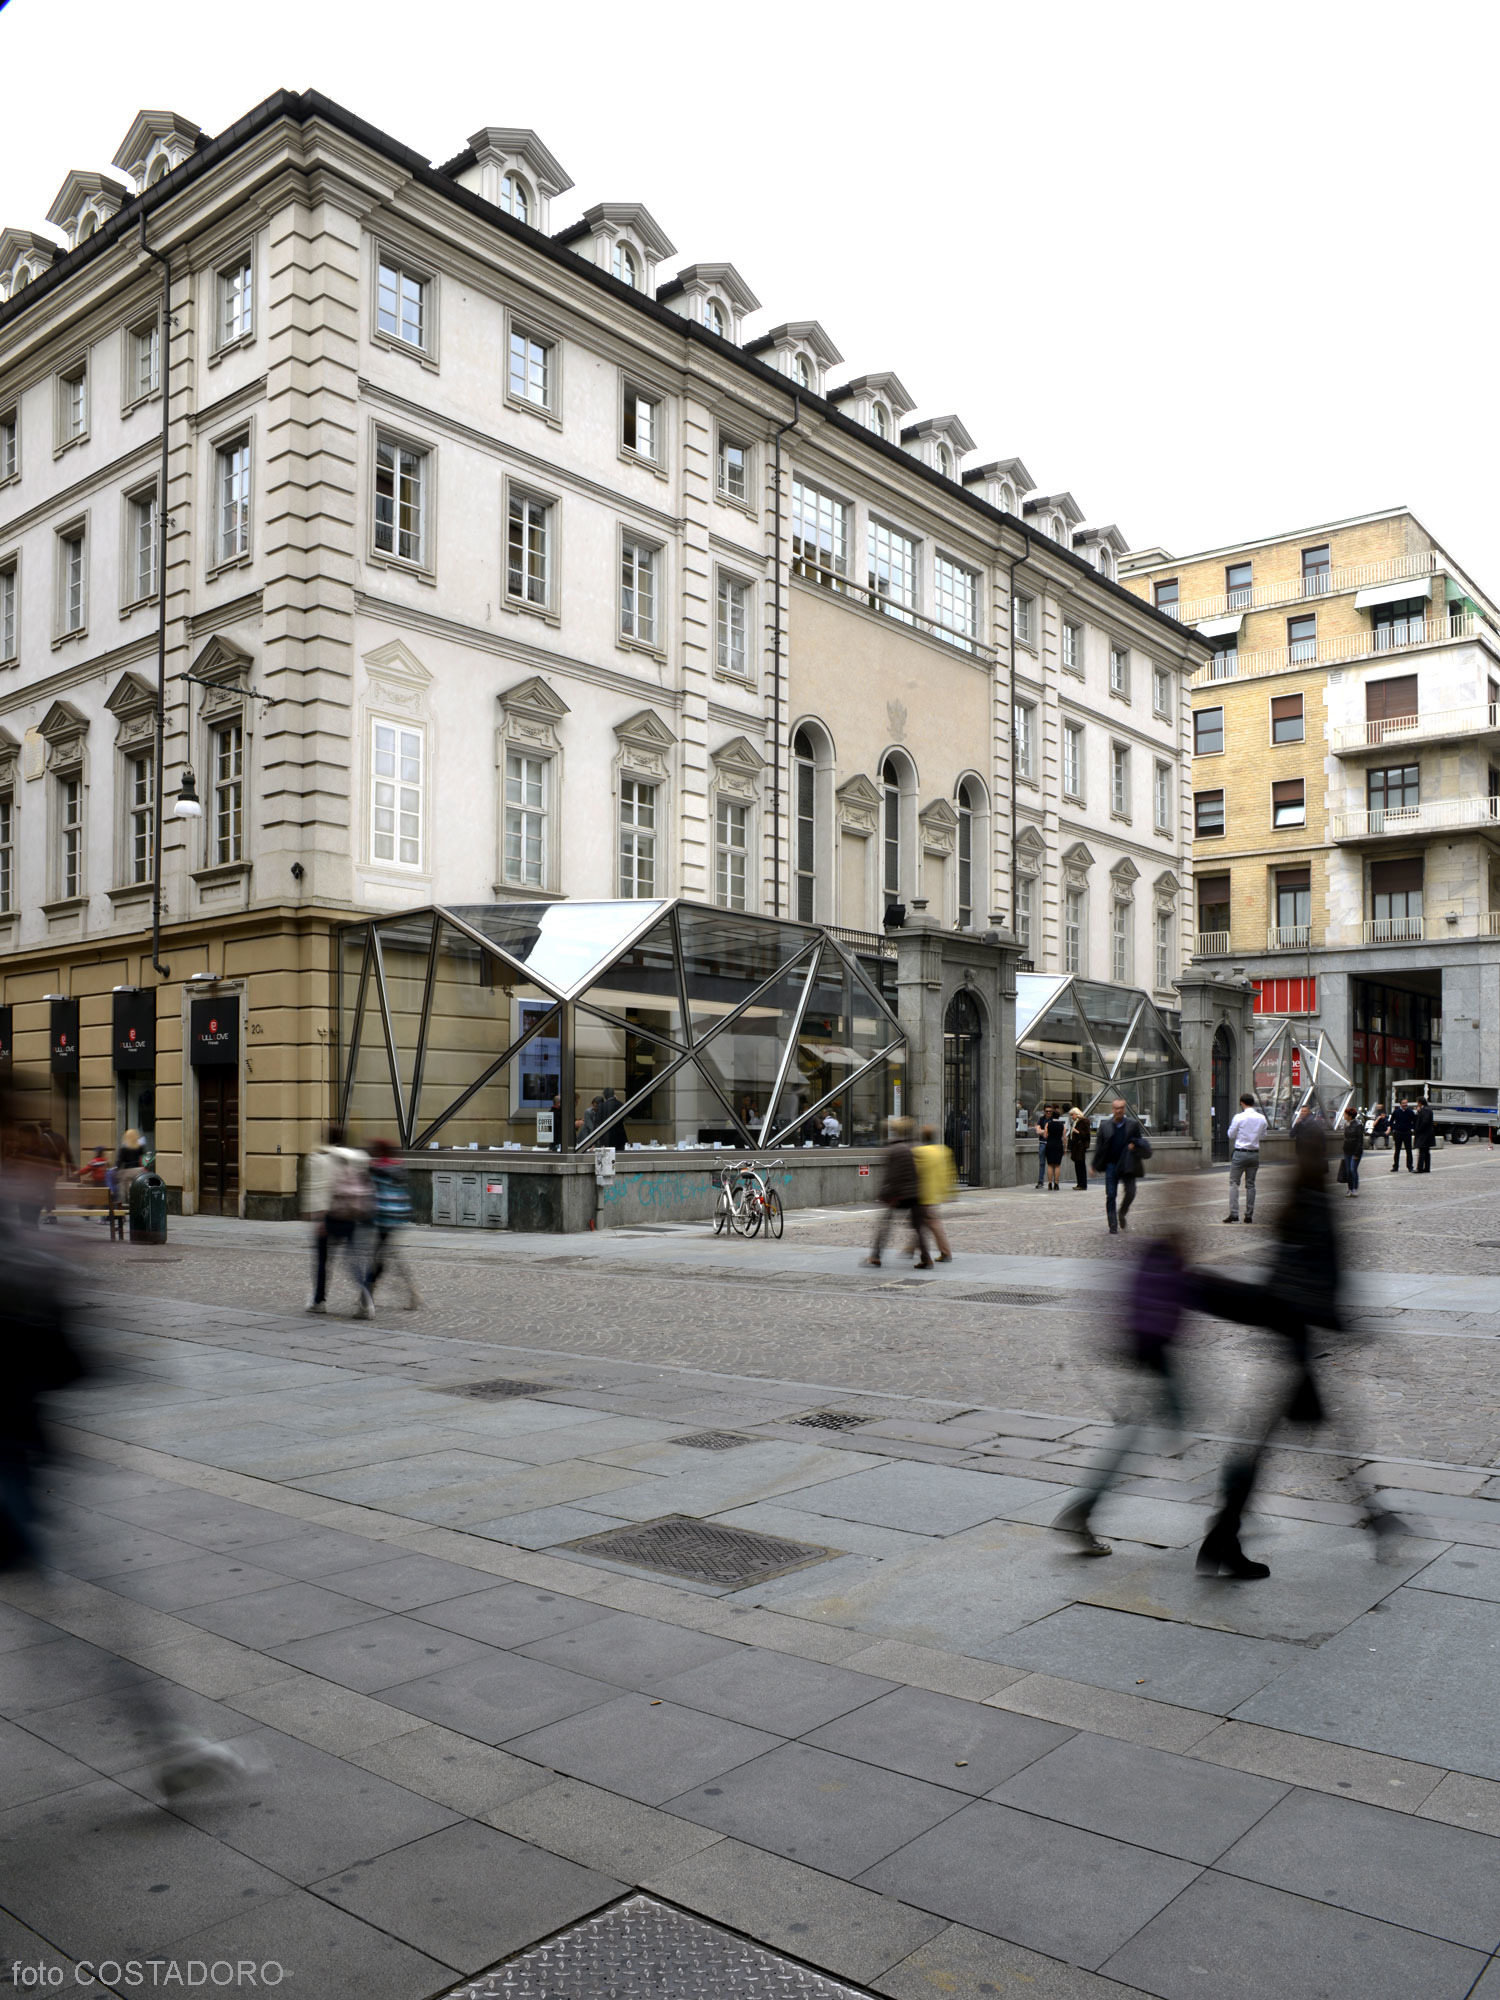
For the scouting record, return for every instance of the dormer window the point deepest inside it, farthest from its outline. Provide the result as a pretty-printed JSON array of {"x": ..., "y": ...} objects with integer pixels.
[
  {"x": 1106, "y": 566},
  {"x": 22, "y": 280},
  {"x": 804, "y": 372},
  {"x": 158, "y": 169},
  {"x": 515, "y": 197},
  {"x": 87, "y": 227},
  {"x": 713, "y": 317},
  {"x": 1059, "y": 530},
  {"x": 1007, "y": 500},
  {"x": 627, "y": 269},
  {"x": 945, "y": 461},
  {"x": 880, "y": 421}
]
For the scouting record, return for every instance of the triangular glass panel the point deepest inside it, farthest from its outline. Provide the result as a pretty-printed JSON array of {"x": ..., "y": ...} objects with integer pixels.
[
  {"x": 353, "y": 951},
  {"x": 1153, "y": 1043},
  {"x": 726, "y": 956},
  {"x": 1034, "y": 995},
  {"x": 1060, "y": 1035},
  {"x": 1109, "y": 1011},
  {"x": 371, "y": 1110},
  {"x": 640, "y": 986},
  {"x": 744, "y": 1058},
  {"x": 480, "y": 1006},
  {"x": 561, "y": 944},
  {"x": 405, "y": 954}
]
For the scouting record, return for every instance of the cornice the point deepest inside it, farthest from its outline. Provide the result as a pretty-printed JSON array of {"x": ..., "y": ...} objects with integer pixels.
[
  {"x": 79, "y": 674},
  {"x": 59, "y": 504}
]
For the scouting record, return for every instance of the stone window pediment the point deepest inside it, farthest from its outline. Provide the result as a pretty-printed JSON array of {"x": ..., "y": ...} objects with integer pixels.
[
  {"x": 133, "y": 705},
  {"x": 1166, "y": 887},
  {"x": 64, "y": 730},
  {"x": 1123, "y": 877},
  {"x": 939, "y": 825},
  {"x": 227, "y": 666},
  {"x": 646, "y": 745},
  {"x": 1077, "y": 861},
  {"x": 1031, "y": 851},
  {"x": 737, "y": 768},
  {"x": 530, "y": 712},
  {"x": 859, "y": 801}
]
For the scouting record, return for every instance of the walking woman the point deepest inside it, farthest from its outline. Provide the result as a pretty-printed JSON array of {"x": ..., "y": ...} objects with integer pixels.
[
  {"x": 1354, "y": 1149},
  {"x": 1079, "y": 1134},
  {"x": 1057, "y": 1133}
]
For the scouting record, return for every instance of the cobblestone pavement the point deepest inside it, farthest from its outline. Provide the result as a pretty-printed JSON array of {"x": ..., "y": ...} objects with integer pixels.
[{"x": 929, "y": 1751}]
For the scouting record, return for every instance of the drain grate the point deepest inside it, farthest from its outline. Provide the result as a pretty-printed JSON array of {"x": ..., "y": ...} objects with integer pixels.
[
  {"x": 1010, "y": 1298},
  {"x": 643, "y": 1947},
  {"x": 832, "y": 1420},
  {"x": 702, "y": 1551},
  {"x": 712, "y": 1440},
  {"x": 498, "y": 1391}
]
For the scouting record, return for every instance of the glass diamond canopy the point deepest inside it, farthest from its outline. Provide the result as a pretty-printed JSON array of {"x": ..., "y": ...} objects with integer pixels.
[{"x": 1082, "y": 1043}]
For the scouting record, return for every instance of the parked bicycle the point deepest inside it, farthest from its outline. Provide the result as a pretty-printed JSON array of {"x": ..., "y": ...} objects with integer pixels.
[{"x": 745, "y": 1201}]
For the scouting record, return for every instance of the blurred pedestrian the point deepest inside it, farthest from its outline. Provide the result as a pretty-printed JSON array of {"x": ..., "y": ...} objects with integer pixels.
[
  {"x": 1353, "y": 1145},
  {"x": 94, "y": 1170},
  {"x": 1380, "y": 1131},
  {"x": 130, "y": 1157},
  {"x": 610, "y": 1129},
  {"x": 1423, "y": 1134},
  {"x": 392, "y": 1214},
  {"x": 338, "y": 1199},
  {"x": 1057, "y": 1141},
  {"x": 1246, "y": 1130},
  {"x": 1403, "y": 1124},
  {"x": 36, "y": 1158},
  {"x": 899, "y": 1195},
  {"x": 1146, "y": 1338},
  {"x": 937, "y": 1182},
  {"x": 1119, "y": 1149},
  {"x": 1039, "y": 1133},
  {"x": 1079, "y": 1133},
  {"x": 584, "y": 1126}
]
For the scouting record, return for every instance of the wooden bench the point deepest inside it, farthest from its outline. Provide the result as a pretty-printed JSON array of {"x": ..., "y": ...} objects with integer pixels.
[{"x": 87, "y": 1201}]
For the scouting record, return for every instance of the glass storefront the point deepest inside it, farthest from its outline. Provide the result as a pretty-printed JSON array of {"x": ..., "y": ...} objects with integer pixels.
[
  {"x": 1396, "y": 1036},
  {"x": 1081, "y": 1042}
]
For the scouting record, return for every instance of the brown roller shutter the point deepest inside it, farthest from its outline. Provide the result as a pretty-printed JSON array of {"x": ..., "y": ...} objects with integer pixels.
[
  {"x": 1286, "y": 708},
  {"x": 1396, "y": 878},
  {"x": 1287, "y": 792},
  {"x": 1387, "y": 699}
]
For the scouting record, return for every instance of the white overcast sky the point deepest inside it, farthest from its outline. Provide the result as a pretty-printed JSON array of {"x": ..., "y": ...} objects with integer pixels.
[{"x": 1218, "y": 271}]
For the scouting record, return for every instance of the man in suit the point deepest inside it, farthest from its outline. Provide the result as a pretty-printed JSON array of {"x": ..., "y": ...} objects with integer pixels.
[
  {"x": 1422, "y": 1132},
  {"x": 1403, "y": 1124},
  {"x": 1116, "y": 1156}
]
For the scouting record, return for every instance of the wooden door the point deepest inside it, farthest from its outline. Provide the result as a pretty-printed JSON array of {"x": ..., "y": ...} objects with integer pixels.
[{"x": 218, "y": 1142}]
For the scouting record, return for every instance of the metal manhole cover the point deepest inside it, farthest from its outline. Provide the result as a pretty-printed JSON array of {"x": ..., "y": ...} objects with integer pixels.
[
  {"x": 640, "y": 1949},
  {"x": 832, "y": 1420},
  {"x": 499, "y": 1390},
  {"x": 702, "y": 1551},
  {"x": 712, "y": 1440},
  {"x": 1010, "y": 1298}
]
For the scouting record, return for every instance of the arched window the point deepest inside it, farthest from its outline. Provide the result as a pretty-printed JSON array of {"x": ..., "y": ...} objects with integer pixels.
[
  {"x": 515, "y": 197},
  {"x": 890, "y": 779},
  {"x": 805, "y": 826},
  {"x": 804, "y": 371},
  {"x": 157, "y": 169},
  {"x": 87, "y": 227},
  {"x": 945, "y": 461},
  {"x": 713, "y": 317},
  {"x": 1104, "y": 562},
  {"x": 881, "y": 420},
  {"x": 1059, "y": 528},
  {"x": 967, "y": 806},
  {"x": 627, "y": 270},
  {"x": 1007, "y": 500},
  {"x": 21, "y": 280}
]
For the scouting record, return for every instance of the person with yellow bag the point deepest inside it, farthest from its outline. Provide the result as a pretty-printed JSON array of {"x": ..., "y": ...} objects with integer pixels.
[{"x": 937, "y": 1182}]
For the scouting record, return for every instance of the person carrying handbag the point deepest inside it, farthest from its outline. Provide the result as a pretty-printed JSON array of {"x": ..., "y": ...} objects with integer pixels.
[{"x": 1119, "y": 1153}]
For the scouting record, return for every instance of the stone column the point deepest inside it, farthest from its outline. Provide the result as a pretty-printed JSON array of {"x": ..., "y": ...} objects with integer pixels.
[
  {"x": 1211, "y": 1000},
  {"x": 933, "y": 965}
]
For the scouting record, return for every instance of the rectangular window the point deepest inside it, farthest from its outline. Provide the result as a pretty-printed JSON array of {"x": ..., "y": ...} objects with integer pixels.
[
  {"x": 1025, "y": 730},
  {"x": 892, "y": 571},
  {"x": 1302, "y": 638},
  {"x": 530, "y": 369},
  {"x": 73, "y": 409},
  {"x": 1289, "y": 802},
  {"x": 1119, "y": 944},
  {"x": 142, "y": 554},
  {"x": 1395, "y": 790},
  {"x": 1119, "y": 671},
  {"x": 642, "y": 425},
  {"x": 1316, "y": 571},
  {"x": 1238, "y": 584},
  {"x": 1073, "y": 930},
  {"x": 1021, "y": 620},
  {"x": 955, "y": 601},
  {"x": 820, "y": 535},
  {"x": 70, "y": 837},
  {"x": 891, "y": 831},
  {"x": 637, "y": 839},
  {"x": 1293, "y": 898},
  {"x": 234, "y": 500},
  {"x": 731, "y": 854},
  {"x": 1072, "y": 766},
  {"x": 1023, "y": 911},
  {"x": 1163, "y": 950},
  {"x": 10, "y": 444},
  {"x": 1225, "y": 664},
  {"x": 1208, "y": 813},
  {"x": 396, "y": 795},
  {"x": 8, "y": 621},
  {"x": 1162, "y": 799},
  {"x": 1166, "y": 597},
  {"x": 528, "y": 563},
  {"x": 7, "y": 855},
  {"x": 1390, "y": 702},
  {"x": 1286, "y": 718},
  {"x": 401, "y": 304},
  {"x": 229, "y": 793},
  {"x": 73, "y": 594},
  {"x": 1208, "y": 732},
  {"x": 638, "y": 592},
  {"x": 525, "y": 818},
  {"x": 1161, "y": 691},
  {"x": 1072, "y": 648},
  {"x": 734, "y": 468},
  {"x": 1119, "y": 779},
  {"x": 236, "y": 314},
  {"x": 400, "y": 501},
  {"x": 965, "y": 858},
  {"x": 1213, "y": 904},
  {"x": 140, "y": 816},
  {"x": 733, "y": 650},
  {"x": 145, "y": 361},
  {"x": 1396, "y": 888}
]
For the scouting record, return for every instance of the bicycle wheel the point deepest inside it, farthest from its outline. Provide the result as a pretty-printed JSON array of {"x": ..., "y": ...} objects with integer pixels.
[
  {"x": 755, "y": 1208},
  {"x": 721, "y": 1212},
  {"x": 774, "y": 1217},
  {"x": 737, "y": 1200}
]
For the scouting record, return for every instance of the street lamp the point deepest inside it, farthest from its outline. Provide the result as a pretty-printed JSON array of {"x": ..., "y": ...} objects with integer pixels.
[{"x": 188, "y": 805}]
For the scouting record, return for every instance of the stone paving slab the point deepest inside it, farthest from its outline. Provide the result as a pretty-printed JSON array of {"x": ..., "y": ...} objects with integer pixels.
[
  {"x": 970, "y": 1965},
  {"x": 1185, "y": 1664},
  {"x": 647, "y": 1750},
  {"x": 944, "y": 1741}
]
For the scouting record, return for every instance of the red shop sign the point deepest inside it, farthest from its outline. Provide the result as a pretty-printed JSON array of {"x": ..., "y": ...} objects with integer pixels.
[
  {"x": 1359, "y": 1046},
  {"x": 1401, "y": 1053}
]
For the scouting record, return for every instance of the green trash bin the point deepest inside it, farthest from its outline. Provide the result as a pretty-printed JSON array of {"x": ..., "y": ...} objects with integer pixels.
[{"x": 148, "y": 1209}]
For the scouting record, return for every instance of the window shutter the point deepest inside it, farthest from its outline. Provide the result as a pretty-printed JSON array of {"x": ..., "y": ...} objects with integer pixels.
[
  {"x": 1286, "y": 708},
  {"x": 1396, "y": 878},
  {"x": 1287, "y": 792},
  {"x": 1294, "y": 879},
  {"x": 1394, "y": 696}
]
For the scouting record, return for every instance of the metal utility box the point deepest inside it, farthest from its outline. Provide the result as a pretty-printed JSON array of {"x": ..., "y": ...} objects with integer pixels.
[{"x": 469, "y": 1200}]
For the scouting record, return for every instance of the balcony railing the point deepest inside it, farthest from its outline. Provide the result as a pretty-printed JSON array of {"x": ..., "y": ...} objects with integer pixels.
[
  {"x": 1393, "y": 930},
  {"x": 1212, "y": 944},
  {"x": 1289, "y": 937},
  {"x": 1489, "y": 924},
  {"x": 1478, "y": 719},
  {"x": 866, "y": 944},
  {"x": 1437, "y": 816},
  {"x": 1301, "y": 589},
  {"x": 1348, "y": 646}
]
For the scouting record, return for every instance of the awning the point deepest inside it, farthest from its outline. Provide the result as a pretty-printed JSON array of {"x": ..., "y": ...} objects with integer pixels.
[
  {"x": 1393, "y": 593},
  {"x": 1220, "y": 628}
]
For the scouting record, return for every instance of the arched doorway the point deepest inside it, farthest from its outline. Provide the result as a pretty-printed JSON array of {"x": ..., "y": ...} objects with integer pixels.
[
  {"x": 1221, "y": 1090},
  {"x": 962, "y": 1029}
]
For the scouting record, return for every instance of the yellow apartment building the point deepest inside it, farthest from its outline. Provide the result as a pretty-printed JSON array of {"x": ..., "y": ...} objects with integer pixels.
[{"x": 1346, "y": 788}]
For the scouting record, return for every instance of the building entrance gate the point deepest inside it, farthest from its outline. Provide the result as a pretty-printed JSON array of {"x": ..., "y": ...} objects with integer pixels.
[
  {"x": 1220, "y": 1089},
  {"x": 962, "y": 1030}
]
